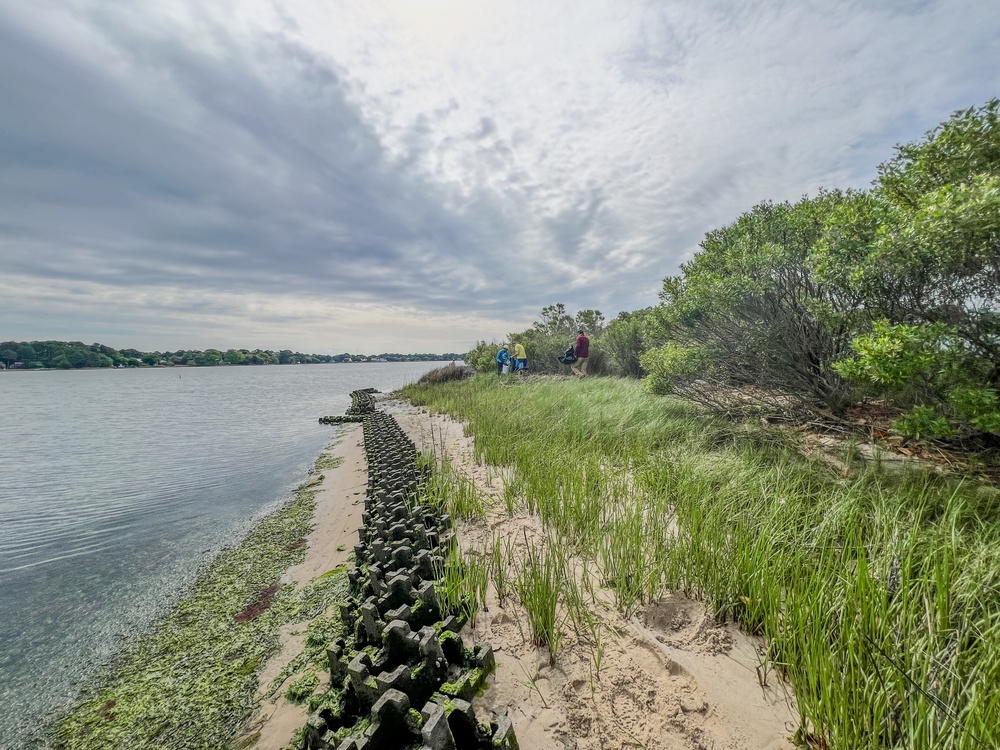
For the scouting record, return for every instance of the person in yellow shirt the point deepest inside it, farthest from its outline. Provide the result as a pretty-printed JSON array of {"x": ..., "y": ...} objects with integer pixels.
[{"x": 520, "y": 359}]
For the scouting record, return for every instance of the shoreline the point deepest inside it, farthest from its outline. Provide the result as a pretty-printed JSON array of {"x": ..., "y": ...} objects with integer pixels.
[
  {"x": 329, "y": 546},
  {"x": 213, "y": 640}
]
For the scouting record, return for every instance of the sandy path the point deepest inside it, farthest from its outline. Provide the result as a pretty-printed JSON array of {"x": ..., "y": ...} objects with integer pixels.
[
  {"x": 339, "y": 504},
  {"x": 669, "y": 677}
]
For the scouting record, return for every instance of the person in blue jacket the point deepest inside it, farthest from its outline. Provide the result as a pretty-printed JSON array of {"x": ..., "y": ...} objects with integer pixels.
[{"x": 503, "y": 358}]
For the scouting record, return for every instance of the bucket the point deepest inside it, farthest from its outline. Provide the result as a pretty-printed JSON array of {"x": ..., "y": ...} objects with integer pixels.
[{"x": 505, "y": 369}]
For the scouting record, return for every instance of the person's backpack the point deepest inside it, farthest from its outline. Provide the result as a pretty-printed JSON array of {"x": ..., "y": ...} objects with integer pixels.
[{"x": 569, "y": 357}]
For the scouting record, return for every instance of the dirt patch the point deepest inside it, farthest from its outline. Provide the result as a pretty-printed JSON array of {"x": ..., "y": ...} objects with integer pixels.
[{"x": 683, "y": 623}]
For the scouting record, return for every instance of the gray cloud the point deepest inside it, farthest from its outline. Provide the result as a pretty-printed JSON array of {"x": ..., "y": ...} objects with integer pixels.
[
  {"x": 252, "y": 187},
  {"x": 294, "y": 165}
]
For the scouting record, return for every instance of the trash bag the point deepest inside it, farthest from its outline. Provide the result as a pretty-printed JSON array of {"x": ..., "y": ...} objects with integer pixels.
[{"x": 569, "y": 357}]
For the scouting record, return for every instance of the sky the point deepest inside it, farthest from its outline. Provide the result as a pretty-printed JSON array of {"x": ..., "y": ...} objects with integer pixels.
[{"x": 414, "y": 176}]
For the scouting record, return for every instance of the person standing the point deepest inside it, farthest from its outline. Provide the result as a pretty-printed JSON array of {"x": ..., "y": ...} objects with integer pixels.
[
  {"x": 503, "y": 359},
  {"x": 520, "y": 359},
  {"x": 582, "y": 351}
]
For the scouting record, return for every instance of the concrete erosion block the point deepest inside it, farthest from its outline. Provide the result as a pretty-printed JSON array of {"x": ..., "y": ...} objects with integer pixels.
[
  {"x": 462, "y": 722},
  {"x": 338, "y": 664},
  {"x": 359, "y": 671},
  {"x": 397, "y": 532},
  {"x": 485, "y": 658},
  {"x": 371, "y": 620},
  {"x": 398, "y": 679},
  {"x": 435, "y": 733},
  {"x": 430, "y": 646},
  {"x": 451, "y": 645},
  {"x": 377, "y": 578},
  {"x": 400, "y": 591},
  {"x": 503, "y": 735},
  {"x": 402, "y": 612},
  {"x": 402, "y": 556},
  {"x": 315, "y": 728},
  {"x": 392, "y": 705},
  {"x": 390, "y": 728},
  {"x": 399, "y": 642}
]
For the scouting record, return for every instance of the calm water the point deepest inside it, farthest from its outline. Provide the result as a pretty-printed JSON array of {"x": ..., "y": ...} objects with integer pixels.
[{"x": 115, "y": 485}]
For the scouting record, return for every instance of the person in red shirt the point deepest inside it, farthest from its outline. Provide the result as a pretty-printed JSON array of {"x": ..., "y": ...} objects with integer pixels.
[{"x": 582, "y": 350}]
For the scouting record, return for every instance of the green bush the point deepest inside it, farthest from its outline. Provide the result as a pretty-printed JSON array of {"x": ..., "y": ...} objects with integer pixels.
[
  {"x": 673, "y": 365},
  {"x": 623, "y": 341},
  {"x": 450, "y": 372},
  {"x": 483, "y": 357},
  {"x": 927, "y": 368}
]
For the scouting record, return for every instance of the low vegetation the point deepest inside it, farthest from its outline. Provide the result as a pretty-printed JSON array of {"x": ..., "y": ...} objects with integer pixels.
[
  {"x": 444, "y": 374},
  {"x": 876, "y": 587}
]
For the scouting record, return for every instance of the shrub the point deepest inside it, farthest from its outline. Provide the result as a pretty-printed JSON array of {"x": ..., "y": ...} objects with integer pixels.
[
  {"x": 672, "y": 366},
  {"x": 928, "y": 368},
  {"x": 448, "y": 373},
  {"x": 482, "y": 358},
  {"x": 624, "y": 342}
]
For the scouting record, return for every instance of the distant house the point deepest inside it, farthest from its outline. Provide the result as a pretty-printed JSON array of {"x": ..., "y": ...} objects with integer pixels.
[{"x": 17, "y": 366}]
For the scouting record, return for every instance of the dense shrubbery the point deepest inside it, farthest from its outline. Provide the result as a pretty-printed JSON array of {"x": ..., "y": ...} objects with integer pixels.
[
  {"x": 444, "y": 374},
  {"x": 814, "y": 306},
  {"x": 750, "y": 312},
  {"x": 892, "y": 292}
]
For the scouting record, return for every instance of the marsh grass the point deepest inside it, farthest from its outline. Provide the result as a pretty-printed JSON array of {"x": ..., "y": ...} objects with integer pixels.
[
  {"x": 878, "y": 591},
  {"x": 449, "y": 491},
  {"x": 461, "y": 582},
  {"x": 540, "y": 583}
]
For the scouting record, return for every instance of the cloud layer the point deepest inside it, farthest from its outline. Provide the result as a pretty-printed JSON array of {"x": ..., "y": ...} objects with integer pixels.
[{"x": 405, "y": 176}]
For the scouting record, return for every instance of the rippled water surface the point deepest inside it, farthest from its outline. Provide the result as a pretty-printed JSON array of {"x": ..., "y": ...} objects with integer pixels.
[{"x": 115, "y": 485}]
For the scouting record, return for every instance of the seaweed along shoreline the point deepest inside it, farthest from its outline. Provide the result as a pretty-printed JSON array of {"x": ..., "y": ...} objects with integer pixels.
[{"x": 192, "y": 680}]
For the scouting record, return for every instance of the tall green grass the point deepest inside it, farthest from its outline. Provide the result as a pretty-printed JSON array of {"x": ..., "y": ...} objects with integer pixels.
[{"x": 879, "y": 593}]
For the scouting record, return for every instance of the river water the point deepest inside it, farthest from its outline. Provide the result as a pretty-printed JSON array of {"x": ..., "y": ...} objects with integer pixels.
[{"x": 116, "y": 485}]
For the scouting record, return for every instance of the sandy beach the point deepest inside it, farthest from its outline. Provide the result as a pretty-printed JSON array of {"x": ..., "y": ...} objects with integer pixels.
[
  {"x": 666, "y": 677},
  {"x": 339, "y": 504}
]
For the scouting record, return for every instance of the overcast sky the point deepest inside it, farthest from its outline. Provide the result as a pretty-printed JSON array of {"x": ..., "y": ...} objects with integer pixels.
[{"x": 413, "y": 176}]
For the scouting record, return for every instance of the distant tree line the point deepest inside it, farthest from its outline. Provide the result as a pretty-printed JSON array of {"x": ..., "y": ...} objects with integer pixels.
[
  {"x": 889, "y": 294},
  {"x": 68, "y": 355}
]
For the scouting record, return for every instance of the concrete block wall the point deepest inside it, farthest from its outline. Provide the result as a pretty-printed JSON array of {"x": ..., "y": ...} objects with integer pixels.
[{"x": 402, "y": 676}]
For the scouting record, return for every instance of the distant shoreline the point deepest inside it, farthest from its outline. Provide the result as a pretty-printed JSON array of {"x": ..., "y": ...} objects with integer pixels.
[
  {"x": 75, "y": 355},
  {"x": 222, "y": 364}
]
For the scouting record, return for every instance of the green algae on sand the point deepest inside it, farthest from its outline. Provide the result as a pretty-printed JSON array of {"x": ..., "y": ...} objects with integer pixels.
[{"x": 192, "y": 681}]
